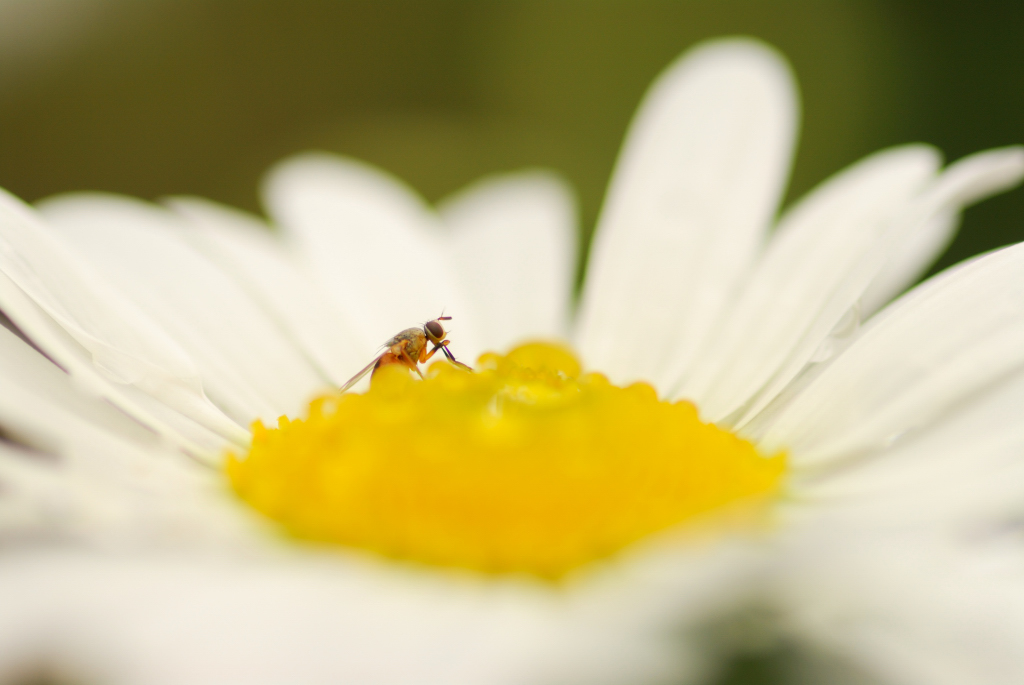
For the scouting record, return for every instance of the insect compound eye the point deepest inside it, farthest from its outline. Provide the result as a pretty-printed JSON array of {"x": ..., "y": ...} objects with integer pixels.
[{"x": 434, "y": 330}]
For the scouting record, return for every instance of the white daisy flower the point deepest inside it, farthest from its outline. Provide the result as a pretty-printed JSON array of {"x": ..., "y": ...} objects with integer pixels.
[{"x": 527, "y": 523}]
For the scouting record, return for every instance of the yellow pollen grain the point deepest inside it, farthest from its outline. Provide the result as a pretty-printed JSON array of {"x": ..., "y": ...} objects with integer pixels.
[{"x": 525, "y": 466}]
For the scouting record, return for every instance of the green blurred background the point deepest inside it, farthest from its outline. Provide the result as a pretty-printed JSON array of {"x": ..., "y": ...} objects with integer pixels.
[
  {"x": 200, "y": 96},
  {"x": 156, "y": 97}
]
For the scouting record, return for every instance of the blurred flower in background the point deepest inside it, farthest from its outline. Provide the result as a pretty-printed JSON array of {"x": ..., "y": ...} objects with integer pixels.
[{"x": 893, "y": 556}]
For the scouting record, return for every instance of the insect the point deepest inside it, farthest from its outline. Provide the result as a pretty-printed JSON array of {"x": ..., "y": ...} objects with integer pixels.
[{"x": 409, "y": 348}]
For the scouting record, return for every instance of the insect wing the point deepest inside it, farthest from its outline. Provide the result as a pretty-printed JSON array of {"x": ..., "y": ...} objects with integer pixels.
[{"x": 365, "y": 370}]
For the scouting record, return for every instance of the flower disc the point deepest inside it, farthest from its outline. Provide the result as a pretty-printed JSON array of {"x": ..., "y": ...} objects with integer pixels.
[{"x": 523, "y": 466}]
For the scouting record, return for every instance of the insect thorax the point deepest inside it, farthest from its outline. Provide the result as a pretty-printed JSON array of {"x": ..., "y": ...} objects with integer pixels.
[{"x": 416, "y": 340}]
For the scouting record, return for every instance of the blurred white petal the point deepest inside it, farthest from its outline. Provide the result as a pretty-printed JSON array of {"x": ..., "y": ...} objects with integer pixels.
[
  {"x": 829, "y": 238},
  {"x": 249, "y": 367},
  {"x": 963, "y": 182},
  {"x": 96, "y": 334},
  {"x": 994, "y": 171},
  {"x": 913, "y": 611},
  {"x": 23, "y": 368},
  {"x": 951, "y": 337},
  {"x": 262, "y": 263},
  {"x": 694, "y": 191},
  {"x": 98, "y": 476},
  {"x": 372, "y": 243},
  {"x": 964, "y": 473},
  {"x": 154, "y": 619},
  {"x": 513, "y": 242},
  {"x": 910, "y": 262}
]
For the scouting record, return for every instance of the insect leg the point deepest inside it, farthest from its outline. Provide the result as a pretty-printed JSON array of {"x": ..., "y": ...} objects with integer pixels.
[
  {"x": 441, "y": 345},
  {"x": 453, "y": 360},
  {"x": 408, "y": 361}
]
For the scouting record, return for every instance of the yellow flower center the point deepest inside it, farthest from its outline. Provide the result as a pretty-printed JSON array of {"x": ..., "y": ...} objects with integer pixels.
[{"x": 523, "y": 466}]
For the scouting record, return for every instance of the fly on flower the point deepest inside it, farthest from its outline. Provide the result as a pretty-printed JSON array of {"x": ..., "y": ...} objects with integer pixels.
[{"x": 409, "y": 348}]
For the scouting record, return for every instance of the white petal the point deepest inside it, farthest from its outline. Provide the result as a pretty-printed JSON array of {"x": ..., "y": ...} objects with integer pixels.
[
  {"x": 157, "y": 414},
  {"x": 978, "y": 176},
  {"x": 965, "y": 181},
  {"x": 966, "y": 472},
  {"x": 909, "y": 611},
  {"x": 954, "y": 336},
  {"x": 1003, "y": 169},
  {"x": 249, "y": 368},
  {"x": 245, "y": 248},
  {"x": 24, "y": 368},
  {"x": 332, "y": 619},
  {"x": 41, "y": 501},
  {"x": 514, "y": 243},
  {"x": 97, "y": 476},
  {"x": 114, "y": 501},
  {"x": 42, "y": 407},
  {"x": 46, "y": 419},
  {"x": 372, "y": 243},
  {"x": 694, "y": 191},
  {"x": 120, "y": 502},
  {"x": 94, "y": 332},
  {"x": 910, "y": 261},
  {"x": 819, "y": 245}
]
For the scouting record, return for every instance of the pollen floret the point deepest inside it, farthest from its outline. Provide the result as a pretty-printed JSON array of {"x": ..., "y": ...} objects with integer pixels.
[{"x": 525, "y": 466}]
